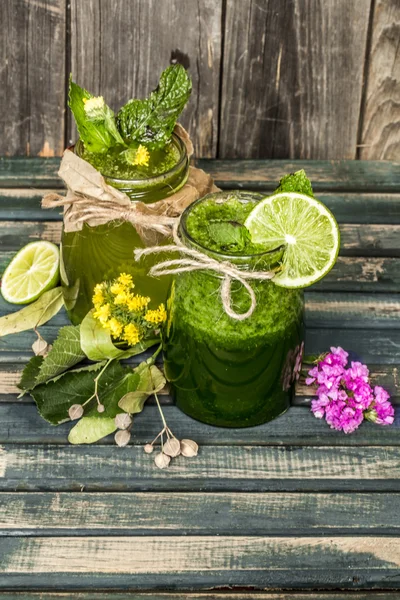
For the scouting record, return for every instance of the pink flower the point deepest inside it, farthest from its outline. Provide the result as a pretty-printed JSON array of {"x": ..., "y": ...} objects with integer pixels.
[{"x": 345, "y": 396}]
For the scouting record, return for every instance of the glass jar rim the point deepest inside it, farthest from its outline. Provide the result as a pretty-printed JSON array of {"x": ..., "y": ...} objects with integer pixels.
[
  {"x": 155, "y": 178},
  {"x": 214, "y": 253}
]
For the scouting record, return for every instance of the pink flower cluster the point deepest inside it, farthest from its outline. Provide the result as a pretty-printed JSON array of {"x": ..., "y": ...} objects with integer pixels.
[{"x": 345, "y": 396}]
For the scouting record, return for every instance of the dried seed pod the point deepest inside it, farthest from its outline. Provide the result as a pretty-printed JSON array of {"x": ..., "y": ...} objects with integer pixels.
[
  {"x": 123, "y": 421},
  {"x": 189, "y": 448},
  {"x": 75, "y": 412},
  {"x": 162, "y": 460},
  {"x": 149, "y": 448},
  {"x": 172, "y": 447},
  {"x": 41, "y": 347},
  {"x": 122, "y": 438},
  {"x": 101, "y": 408}
]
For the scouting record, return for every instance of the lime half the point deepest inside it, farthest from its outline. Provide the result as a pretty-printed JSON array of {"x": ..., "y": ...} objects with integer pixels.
[
  {"x": 32, "y": 271},
  {"x": 307, "y": 228}
]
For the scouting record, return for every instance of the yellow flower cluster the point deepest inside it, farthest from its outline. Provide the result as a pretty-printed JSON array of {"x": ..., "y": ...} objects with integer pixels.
[
  {"x": 125, "y": 313},
  {"x": 142, "y": 156}
]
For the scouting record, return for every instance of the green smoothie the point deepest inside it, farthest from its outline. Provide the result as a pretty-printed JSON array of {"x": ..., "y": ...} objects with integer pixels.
[
  {"x": 100, "y": 253},
  {"x": 223, "y": 371}
]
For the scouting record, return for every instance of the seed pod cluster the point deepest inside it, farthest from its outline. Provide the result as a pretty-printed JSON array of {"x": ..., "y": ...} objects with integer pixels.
[{"x": 171, "y": 449}]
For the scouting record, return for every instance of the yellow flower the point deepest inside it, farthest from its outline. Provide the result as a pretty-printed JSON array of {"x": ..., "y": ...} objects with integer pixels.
[
  {"x": 115, "y": 327},
  {"x": 102, "y": 313},
  {"x": 137, "y": 303},
  {"x": 156, "y": 316},
  {"x": 131, "y": 334},
  {"x": 98, "y": 296},
  {"x": 95, "y": 107},
  {"x": 142, "y": 156},
  {"x": 117, "y": 288},
  {"x": 121, "y": 298},
  {"x": 126, "y": 280}
]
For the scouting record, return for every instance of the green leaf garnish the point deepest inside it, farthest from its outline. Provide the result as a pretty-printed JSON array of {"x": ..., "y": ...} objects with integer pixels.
[
  {"x": 228, "y": 235},
  {"x": 151, "y": 121},
  {"x": 295, "y": 182},
  {"x": 98, "y": 131}
]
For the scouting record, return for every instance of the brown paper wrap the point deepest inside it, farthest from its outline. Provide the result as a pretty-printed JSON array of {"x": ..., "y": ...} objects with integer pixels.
[{"x": 91, "y": 200}]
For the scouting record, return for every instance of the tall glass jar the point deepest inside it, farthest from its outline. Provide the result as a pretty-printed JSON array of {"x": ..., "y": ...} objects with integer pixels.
[
  {"x": 223, "y": 371},
  {"x": 100, "y": 253}
]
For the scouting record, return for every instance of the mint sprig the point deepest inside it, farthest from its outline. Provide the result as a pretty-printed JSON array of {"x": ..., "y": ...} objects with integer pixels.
[
  {"x": 151, "y": 121},
  {"x": 295, "y": 182}
]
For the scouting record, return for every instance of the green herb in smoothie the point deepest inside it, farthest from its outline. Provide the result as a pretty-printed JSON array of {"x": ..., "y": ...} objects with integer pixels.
[
  {"x": 219, "y": 226},
  {"x": 136, "y": 144}
]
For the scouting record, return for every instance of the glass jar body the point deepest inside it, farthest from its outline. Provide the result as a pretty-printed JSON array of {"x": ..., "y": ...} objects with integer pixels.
[
  {"x": 101, "y": 253},
  {"x": 226, "y": 372}
]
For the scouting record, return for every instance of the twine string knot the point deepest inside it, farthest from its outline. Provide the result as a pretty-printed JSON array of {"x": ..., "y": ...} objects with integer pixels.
[{"x": 194, "y": 260}]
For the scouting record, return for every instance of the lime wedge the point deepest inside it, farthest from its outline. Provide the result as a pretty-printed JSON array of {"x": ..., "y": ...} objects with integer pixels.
[
  {"x": 32, "y": 271},
  {"x": 307, "y": 228}
]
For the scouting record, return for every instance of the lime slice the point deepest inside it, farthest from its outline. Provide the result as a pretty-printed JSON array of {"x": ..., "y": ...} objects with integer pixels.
[
  {"x": 32, "y": 271},
  {"x": 308, "y": 229}
]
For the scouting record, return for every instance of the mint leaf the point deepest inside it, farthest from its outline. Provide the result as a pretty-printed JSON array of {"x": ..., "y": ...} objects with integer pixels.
[
  {"x": 151, "y": 121},
  {"x": 33, "y": 315},
  {"x": 96, "y": 341},
  {"x": 95, "y": 135},
  {"x": 295, "y": 182},
  {"x": 228, "y": 235},
  {"x": 65, "y": 353}
]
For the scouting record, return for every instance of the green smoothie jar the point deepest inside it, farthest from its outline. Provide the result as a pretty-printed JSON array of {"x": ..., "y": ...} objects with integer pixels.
[
  {"x": 99, "y": 253},
  {"x": 223, "y": 371}
]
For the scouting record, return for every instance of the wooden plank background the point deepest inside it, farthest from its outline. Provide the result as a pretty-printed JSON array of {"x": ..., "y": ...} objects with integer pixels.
[{"x": 271, "y": 79}]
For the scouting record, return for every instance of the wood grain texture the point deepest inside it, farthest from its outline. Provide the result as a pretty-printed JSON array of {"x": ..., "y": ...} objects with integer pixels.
[
  {"x": 20, "y": 423},
  {"x": 32, "y": 77},
  {"x": 353, "y": 176},
  {"x": 356, "y": 239},
  {"x": 24, "y": 204},
  {"x": 216, "y": 468},
  {"x": 119, "y": 48},
  {"x": 46, "y": 514},
  {"x": 197, "y": 596},
  {"x": 199, "y": 562},
  {"x": 281, "y": 95},
  {"x": 381, "y": 113}
]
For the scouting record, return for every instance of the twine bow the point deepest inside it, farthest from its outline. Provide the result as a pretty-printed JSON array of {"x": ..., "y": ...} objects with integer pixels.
[{"x": 198, "y": 261}]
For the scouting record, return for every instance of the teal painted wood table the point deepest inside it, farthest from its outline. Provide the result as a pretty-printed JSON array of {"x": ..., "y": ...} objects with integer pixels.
[{"x": 290, "y": 510}]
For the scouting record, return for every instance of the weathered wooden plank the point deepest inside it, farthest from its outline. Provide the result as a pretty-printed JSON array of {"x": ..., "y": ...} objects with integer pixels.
[
  {"x": 279, "y": 91},
  {"x": 378, "y": 347},
  {"x": 381, "y": 113},
  {"x": 361, "y": 311},
  {"x": 356, "y": 274},
  {"x": 350, "y": 274},
  {"x": 356, "y": 239},
  {"x": 216, "y": 468},
  {"x": 20, "y": 423},
  {"x": 197, "y": 596},
  {"x": 23, "y": 204},
  {"x": 351, "y": 176},
  {"x": 107, "y": 34},
  {"x": 32, "y": 78},
  {"x": 66, "y": 514},
  {"x": 199, "y": 562}
]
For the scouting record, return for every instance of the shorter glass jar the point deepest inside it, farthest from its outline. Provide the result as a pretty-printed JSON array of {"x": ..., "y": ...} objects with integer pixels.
[
  {"x": 223, "y": 371},
  {"x": 101, "y": 253}
]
